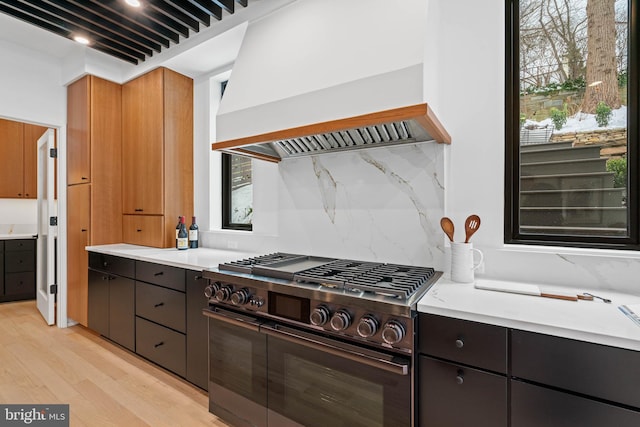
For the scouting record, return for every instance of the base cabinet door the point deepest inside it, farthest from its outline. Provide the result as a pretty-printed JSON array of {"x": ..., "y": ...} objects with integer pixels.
[
  {"x": 455, "y": 396},
  {"x": 197, "y": 337},
  {"x": 122, "y": 311},
  {"x": 534, "y": 406},
  {"x": 98, "y": 302}
]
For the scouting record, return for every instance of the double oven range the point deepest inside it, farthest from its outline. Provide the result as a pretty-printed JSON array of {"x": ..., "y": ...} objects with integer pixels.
[{"x": 298, "y": 340}]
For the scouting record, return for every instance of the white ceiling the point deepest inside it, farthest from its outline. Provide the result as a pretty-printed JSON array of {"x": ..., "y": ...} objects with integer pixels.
[{"x": 212, "y": 49}]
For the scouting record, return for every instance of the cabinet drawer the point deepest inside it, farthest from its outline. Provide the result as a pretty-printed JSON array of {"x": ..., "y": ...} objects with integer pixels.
[
  {"x": 462, "y": 341},
  {"x": 534, "y": 406},
  {"x": 595, "y": 370},
  {"x": 15, "y": 262},
  {"x": 1, "y": 246},
  {"x": 112, "y": 264},
  {"x": 20, "y": 283},
  {"x": 20, "y": 245},
  {"x": 161, "y": 345},
  {"x": 452, "y": 395},
  {"x": 161, "y": 305},
  {"x": 159, "y": 274},
  {"x": 145, "y": 230}
]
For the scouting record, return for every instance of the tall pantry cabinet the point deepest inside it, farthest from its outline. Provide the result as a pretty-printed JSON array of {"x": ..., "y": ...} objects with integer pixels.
[
  {"x": 157, "y": 136},
  {"x": 19, "y": 162},
  {"x": 94, "y": 179}
]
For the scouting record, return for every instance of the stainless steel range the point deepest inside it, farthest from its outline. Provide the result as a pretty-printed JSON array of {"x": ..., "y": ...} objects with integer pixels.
[{"x": 298, "y": 340}]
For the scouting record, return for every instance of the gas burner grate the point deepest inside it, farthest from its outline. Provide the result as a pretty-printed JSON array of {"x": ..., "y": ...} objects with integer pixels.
[
  {"x": 335, "y": 274},
  {"x": 398, "y": 281},
  {"x": 245, "y": 265}
]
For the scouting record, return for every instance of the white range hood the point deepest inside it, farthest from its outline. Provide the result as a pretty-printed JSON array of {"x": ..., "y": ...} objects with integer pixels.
[{"x": 325, "y": 75}]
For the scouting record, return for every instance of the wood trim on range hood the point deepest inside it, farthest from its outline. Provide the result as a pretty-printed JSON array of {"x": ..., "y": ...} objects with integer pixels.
[{"x": 419, "y": 119}]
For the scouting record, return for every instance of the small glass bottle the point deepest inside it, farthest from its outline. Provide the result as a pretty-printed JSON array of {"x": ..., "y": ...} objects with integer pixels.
[
  {"x": 183, "y": 236},
  {"x": 193, "y": 233}
]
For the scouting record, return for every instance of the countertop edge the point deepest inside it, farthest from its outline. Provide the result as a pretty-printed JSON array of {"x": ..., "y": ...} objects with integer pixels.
[{"x": 589, "y": 321}]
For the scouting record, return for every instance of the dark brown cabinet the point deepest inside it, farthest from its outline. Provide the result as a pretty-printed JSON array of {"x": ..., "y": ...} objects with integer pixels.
[
  {"x": 111, "y": 299},
  {"x": 462, "y": 373},
  {"x": 474, "y": 374},
  {"x": 17, "y": 270},
  {"x": 197, "y": 336}
]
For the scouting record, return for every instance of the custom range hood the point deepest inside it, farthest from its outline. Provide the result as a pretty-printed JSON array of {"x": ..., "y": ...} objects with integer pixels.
[{"x": 320, "y": 76}]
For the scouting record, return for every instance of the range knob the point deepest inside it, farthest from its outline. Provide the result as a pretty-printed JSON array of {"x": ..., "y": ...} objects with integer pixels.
[
  {"x": 319, "y": 316},
  {"x": 367, "y": 326},
  {"x": 340, "y": 320},
  {"x": 393, "y": 332},
  {"x": 211, "y": 289},
  {"x": 240, "y": 297},
  {"x": 223, "y": 294}
]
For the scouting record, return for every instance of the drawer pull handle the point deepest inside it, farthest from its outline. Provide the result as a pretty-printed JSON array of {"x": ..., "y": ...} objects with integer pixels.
[
  {"x": 198, "y": 278},
  {"x": 459, "y": 343},
  {"x": 138, "y": 229},
  {"x": 105, "y": 277},
  {"x": 160, "y": 304},
  {"x": 84, "y": 177},
  {"x": 460, "y": 378},
  {"x": 83, "y": 229},
  {"x": 105, "y": 264},
  {"x": 138, "y": 210},
  {"x": 159, "y": 344},
  {"x": 159, "y": 274}
]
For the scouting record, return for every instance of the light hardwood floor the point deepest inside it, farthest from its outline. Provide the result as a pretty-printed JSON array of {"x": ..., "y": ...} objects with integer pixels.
[{"x": 103, "y": 384}]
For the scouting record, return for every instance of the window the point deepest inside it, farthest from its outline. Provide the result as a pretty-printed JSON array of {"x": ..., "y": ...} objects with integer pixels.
[
  {"x": 572, "y": 123},
  {"x": 237, "y": 192}
]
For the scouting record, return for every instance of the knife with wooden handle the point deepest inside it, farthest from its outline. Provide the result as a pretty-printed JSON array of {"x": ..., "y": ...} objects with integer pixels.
[{"x": 526, "y": 289}]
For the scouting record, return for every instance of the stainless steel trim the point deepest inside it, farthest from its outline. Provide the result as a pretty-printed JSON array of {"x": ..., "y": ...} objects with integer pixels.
[
  {"x": 232, "y": 318},
  {"x": 360, "y": 355}
]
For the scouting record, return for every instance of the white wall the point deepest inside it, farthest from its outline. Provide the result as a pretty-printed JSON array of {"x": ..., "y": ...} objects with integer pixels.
[{"x": 465, "y": 85}]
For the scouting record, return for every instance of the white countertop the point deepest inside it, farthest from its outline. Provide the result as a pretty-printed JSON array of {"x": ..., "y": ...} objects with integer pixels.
[
  {"x": 15, "y": 236},
  {"x": 192, "y": 259},
  {"x": 593, "y": 321},
  {"x": 18, "y": 231}
]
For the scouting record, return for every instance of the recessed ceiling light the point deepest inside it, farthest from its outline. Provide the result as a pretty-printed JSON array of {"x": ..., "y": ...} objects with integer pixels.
[
  {"x": 133, "y": 3},
  {"x": 81, "y": 40}
]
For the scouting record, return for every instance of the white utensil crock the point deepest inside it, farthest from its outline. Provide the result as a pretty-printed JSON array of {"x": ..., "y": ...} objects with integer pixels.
[{"x": 462, "y": 262}]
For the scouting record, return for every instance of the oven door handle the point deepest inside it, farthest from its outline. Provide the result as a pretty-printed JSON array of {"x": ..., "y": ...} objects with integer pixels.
[
  {"x": 368, "y": 357},
  {"x": 231, "y": 318}
]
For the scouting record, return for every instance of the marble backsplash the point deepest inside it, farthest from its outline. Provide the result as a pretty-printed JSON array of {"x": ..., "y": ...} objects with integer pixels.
[{"x": 380, "y": 204}]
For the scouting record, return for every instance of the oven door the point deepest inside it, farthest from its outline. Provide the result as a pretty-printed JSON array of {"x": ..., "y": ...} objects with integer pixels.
[
  {"x": 315, "y": 381},
  {"x": 237, "y": 368}
]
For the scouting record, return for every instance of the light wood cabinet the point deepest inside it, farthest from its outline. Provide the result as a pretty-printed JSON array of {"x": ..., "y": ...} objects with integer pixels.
[
  {"x": 30, "y": 159},
  {"x": 78, "y": 232},
  {"x": 11, "y": 136},
  {"x": 19, "y": 161},
  {"x": 157, "y": 114},
  {"x": 94, "y": 173}
]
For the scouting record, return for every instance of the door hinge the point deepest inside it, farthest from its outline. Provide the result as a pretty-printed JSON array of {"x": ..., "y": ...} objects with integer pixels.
[
  {"x": 53, "y": 221},
  {"x": 53, "y": 289},
  {"x": 53, "y": 153}
]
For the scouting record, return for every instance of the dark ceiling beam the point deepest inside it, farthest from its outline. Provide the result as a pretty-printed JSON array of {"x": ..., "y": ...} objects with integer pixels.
[
  {"x": 88, "y": 28},
  {"x": 119, "y": 23},
  {"x": 191, "y": 10},
  {"x": 226, "y": 5},
  {"x": 130, "y": 34},
  {"x": 96, "y": 24},
  {"x": 163, "y": 34},
  {"x": 172, "y": 14},
  {"x": 68, "y": 29},
  {"x": 209, "y": 7}
]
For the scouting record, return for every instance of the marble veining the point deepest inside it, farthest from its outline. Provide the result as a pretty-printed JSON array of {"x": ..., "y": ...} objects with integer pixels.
[{"x": 380, "y": 204}]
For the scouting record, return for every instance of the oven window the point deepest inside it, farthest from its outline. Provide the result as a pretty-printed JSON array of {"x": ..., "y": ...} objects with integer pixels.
[
  {"x": 317, "y": 389},
  {"x": 238, "y": 361}
]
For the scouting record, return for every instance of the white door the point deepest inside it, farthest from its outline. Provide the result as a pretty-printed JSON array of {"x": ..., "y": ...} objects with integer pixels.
[{"x": 46, "y": 231}]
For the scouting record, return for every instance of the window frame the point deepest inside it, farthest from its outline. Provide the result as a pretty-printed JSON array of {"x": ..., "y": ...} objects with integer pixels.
[
  {"x": 512, "y": 234},
  {"x": 226, "y": 197}
]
